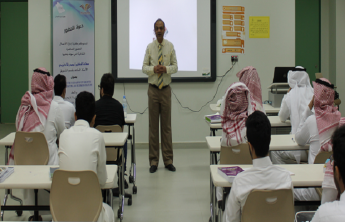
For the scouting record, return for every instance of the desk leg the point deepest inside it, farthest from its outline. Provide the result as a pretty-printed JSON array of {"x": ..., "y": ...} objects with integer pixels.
[
  {"x": 211, "y": 198},
  {"x": 121, "y": 189},
  {"x": 36, "y": 204},
  {"x": 7, "y": 192},
  {"x": 134, "y": 162}
]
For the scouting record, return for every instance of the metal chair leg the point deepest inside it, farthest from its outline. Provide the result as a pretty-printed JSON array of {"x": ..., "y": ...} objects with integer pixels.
[{"x": 5, "y": 200}]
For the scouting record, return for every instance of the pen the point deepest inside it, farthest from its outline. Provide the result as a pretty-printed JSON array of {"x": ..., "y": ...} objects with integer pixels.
[{"x": 293, "y": 139}]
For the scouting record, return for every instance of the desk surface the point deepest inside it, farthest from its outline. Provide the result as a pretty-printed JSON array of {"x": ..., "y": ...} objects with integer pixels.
[
  {"x": 278, "y": 142},
  {"x": 110, "y": 139},
  {"x": 268, "y": 108},
  {"x": 306, "y": 175},
  {"x": 131, "y": 118},
  {"x": 38, "y": 177},
  {"x": 274, "y": 120}
]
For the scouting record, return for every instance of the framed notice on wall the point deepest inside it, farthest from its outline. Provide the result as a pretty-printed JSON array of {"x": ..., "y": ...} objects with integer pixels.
[{"x": 74, "y": 45}]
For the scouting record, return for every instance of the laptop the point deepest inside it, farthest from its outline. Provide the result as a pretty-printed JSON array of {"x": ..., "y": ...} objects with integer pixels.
[{"x": 280, "y": 74}]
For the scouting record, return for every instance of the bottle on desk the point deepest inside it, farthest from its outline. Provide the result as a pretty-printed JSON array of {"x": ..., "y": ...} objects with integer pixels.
[{"x": 124, "y": 104}]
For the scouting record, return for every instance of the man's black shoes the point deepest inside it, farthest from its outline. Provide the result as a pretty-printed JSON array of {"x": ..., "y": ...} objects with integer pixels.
[
  {"x": 171, "y": 167},
  {"x": 153, "y": 168}
]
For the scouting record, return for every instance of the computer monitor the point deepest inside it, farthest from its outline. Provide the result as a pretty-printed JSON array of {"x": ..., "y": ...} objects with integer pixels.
[{"x": 280, "y": 74}]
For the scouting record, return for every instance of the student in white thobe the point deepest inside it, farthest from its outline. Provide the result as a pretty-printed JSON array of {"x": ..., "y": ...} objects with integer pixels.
[
  {"x": 293, "y": 105},
  {"x": 335, "y": 211},
  {"x": 66, "y": 107},
  {"x": 83, "y": 147},
  {"x": 263, "y": 175},
  {"x": 307, "y": 133}
]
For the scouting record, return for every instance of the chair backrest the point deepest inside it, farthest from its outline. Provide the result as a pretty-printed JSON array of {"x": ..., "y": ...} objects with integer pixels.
[
  {"x": 111, "y": 151},
  {"x": 75, "y": 196},
  {"x": 269, "y": 206},
  {"x": 321, "y": 157},
  {"x": 304, "y": 216},
  {"x": 30, "y": 148},
  {"x": 235, "y": 154}
]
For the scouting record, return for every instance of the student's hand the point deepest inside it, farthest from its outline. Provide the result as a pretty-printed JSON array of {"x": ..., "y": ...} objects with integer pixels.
[{"x": 311, "y": 104}]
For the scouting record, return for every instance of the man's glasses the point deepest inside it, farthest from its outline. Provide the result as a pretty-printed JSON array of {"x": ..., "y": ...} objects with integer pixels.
[
  {"x": 157, "y": 28},
  {"x": 99, "y": 87}
]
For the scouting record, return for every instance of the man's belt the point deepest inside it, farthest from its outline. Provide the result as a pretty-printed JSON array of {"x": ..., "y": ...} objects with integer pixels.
[{"x": 157, "y": 86}]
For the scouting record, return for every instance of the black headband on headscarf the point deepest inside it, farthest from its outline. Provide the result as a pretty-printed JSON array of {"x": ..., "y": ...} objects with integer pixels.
[
  {"x": 324, "y": 83},
  {"x": 42, "y": 72},
  {"x": 299, "y": 69}
]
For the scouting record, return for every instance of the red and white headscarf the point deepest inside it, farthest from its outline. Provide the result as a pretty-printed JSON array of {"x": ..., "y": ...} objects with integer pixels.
[
  {"x": 234, "y": 111},
  {"x": 250, "y": 77},
  {"x": 328, "y": 118},
  {"x": 33, "y": 111}
]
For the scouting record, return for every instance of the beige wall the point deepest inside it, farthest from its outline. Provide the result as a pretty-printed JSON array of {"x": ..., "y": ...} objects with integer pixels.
[{"x": 264, "y": 54}]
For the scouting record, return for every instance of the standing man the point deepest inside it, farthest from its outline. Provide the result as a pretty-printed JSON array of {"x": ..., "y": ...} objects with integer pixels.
[{"x": 159, "y": 63}]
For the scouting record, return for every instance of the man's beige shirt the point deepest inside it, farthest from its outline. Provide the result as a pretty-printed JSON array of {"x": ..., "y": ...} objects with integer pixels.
[{"x": 151, "y": 60}]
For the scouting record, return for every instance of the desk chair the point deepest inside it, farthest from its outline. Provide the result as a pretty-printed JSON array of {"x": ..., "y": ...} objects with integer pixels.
[
  {"x": 321, "y": 157},
  {"x": 239, "y": 154},
  {"x": 235, "y": 154},
  {"x": 269, "y": 206},
  {"x": 75, "y": 196},
  {"x": 31, "y": 148},
  {"x": 304, "y": 216},
  {"x": 114, "y": 157}
]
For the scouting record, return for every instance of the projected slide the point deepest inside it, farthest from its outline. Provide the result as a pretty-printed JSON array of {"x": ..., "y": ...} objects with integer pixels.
[
  {"x": 180, "y": 18},
  {"x": 187, "y": 24}
]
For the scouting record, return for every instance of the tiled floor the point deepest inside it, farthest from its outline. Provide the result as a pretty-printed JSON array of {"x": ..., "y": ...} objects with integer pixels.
[{"x": 163, "y": 196}]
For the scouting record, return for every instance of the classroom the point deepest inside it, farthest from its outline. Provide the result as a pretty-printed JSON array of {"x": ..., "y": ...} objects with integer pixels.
[{"x": 304, "y": 33}]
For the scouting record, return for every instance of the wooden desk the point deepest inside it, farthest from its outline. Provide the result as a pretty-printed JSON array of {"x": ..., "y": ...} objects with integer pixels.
[
  {"x": 268, "y": 108},
  {"x": 278, "y": 143},
  {"x": 306, "y": 175},
  {"x": 38, "y": 177},
  {"x": 274, "y": 120}
]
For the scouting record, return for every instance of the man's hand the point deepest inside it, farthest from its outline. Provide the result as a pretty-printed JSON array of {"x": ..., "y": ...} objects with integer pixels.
[
  {"x": 311, "y": 104},
  {"x": 159, "y": 69}
]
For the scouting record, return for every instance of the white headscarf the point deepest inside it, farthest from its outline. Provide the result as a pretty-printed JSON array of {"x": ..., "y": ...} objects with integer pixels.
[{"x": 299, "y": 96}]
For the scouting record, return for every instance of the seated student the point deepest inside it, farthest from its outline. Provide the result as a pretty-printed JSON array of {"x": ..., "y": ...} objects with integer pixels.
[
  {"x": 263, "y": 175},
  {"x": 293, "y": 105},
  {"x": 326, "y": 120},
  {"x": 66, "y": 107},
  {"x": 38, "y": 112},
  {"x": 109, "y": 111},
  {"x": 234, "y": 112},
  {"x": 250, "y": 77},
  {"x": 82, "y": 147},
  {"x": 335, "y": 211}
]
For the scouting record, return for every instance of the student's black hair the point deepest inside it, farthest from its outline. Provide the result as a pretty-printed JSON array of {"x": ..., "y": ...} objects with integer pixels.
[
  {"x": 259, "y": 133},
  {"x": 108, "y": 84},
  {"x": 85, "y": 106},
  {"x": 59, "y": 84},
  {"x": 338, "y": 141},
  {"x": 158, "y": 20}
]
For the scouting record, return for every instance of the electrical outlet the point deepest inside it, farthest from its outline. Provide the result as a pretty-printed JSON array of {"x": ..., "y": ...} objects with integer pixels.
[{"x": 234, "y": 58}]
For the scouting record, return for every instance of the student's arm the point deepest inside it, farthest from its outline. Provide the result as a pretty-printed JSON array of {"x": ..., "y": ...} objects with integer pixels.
[
  {"x": 172, "y": 68},
  {"x": 232, "y": 212},
  {"x": 284, "y": 112},
  {"x": 72, "y": 120},
  {"x": 101, "y": 163},
  {"x": 302, "y": 134},
  {"x": 148, "y": 68},
  {"x": 59, "y": 122},
  {"x": 316, "y": 217}
]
